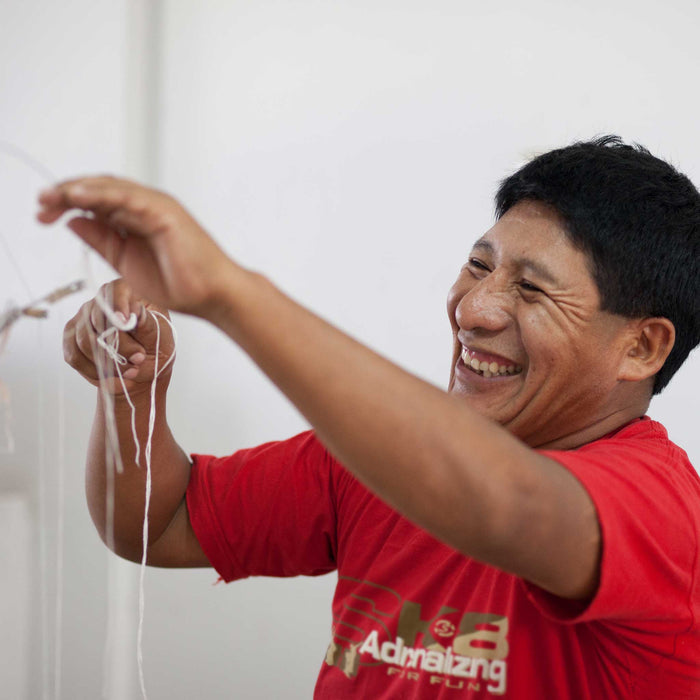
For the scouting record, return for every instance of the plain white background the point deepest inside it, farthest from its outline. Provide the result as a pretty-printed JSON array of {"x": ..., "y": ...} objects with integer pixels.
[{"x": 350, "y": 151}]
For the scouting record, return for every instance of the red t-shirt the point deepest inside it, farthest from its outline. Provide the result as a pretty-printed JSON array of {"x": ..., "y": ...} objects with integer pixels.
[{"x": 413, "y": 618}]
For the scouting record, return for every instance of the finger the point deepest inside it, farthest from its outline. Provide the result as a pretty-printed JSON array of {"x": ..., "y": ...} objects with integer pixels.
[
  {"x": 123, "y": 344},
  {"x": 118, "y": 303},
  {"x": 64, "y": 196},
  {"x": 119, "y": 203},
  {"x": 77, "y": 351},
  {"x": 142, "y": 339},
  {"x": 101, "y": 238},
  {"x": 95, "y": 319},
  {"x": 122, "y": 297}
]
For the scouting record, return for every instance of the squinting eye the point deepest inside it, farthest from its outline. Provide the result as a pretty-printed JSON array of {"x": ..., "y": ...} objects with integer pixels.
[
  {"x": 477, "y": 263},
  {"x": 529, "y": 287}
]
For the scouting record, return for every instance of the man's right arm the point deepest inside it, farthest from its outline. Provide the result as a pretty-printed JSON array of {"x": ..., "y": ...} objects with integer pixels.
[
  {"x": 171, "y": 540},
  {"x": 116, "y": 500}
]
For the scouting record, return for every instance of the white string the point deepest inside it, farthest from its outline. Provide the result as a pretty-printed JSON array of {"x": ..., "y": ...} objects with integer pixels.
[
  {"x": 112, "y": 456},
  {"x": 60, "y": 528},
  {"x": 44, "y": 592},
  {"x": 105, "y": 307},
  {"x": 44, "y": 173},
  {"x": 108, "y": 340},
  {"x": 147, "y": 503},
  {"x": 149, "y": 443}
]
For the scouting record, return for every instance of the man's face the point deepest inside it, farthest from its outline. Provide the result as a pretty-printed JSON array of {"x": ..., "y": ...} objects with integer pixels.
[{"x": 532, "y": 350}]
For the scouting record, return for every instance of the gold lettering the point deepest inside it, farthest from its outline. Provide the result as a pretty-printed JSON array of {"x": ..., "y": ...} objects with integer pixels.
[
  {"x": 482, "y": 643},
  {"x": 332, "y": 653},
  {"x": 347, "y": 660},
  {"x": 351, "y": 661}
]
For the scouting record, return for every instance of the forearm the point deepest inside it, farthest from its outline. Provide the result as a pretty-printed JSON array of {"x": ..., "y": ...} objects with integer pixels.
[
  {"x": 116, "y": 500},
  {"x": 412, "y": 444}
]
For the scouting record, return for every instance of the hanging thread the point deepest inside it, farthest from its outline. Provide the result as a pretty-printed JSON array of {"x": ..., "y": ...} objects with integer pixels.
[{"x": 108, "y": 340}]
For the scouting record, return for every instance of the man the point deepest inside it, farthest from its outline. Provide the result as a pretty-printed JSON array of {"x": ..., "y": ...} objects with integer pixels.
[{"x": 529, "y": 533}]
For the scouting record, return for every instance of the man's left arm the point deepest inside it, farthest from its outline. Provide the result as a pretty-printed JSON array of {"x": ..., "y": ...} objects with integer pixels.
[{"x": 450, "y": 470}]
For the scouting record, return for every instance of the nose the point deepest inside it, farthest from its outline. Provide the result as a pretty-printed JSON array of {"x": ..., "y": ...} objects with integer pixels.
[{"x": 484, "y": 304}]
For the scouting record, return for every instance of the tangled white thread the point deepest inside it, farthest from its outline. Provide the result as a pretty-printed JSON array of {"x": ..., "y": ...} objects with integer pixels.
[{"x": 108, "y": 340}]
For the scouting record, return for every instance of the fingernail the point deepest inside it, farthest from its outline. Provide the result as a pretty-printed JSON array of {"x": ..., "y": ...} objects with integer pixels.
[
  {"x": 77, "y": 190},
  {"x": 130, "y": 373},
  {"x": 137, "y": 358},
  {"x": 120, "y": 316}
]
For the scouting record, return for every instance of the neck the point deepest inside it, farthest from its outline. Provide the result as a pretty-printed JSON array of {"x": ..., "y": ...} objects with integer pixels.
[{"x": 593, "y": 431}]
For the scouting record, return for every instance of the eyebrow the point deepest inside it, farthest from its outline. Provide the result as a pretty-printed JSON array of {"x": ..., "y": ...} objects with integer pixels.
[{"x": 522, "y": 263}]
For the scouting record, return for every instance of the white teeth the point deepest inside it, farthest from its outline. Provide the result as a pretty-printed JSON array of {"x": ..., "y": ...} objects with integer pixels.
[{"x": 488, "y": 369}]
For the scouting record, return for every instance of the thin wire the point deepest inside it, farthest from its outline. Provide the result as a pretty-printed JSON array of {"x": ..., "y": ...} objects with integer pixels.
[
  {"x": 25, "y": 157},
  {"x": 16, "y": 267},
  {"x": 44, "y": 593},
  {"x": 112, "y": 457},
  {"x": 44, "y": 173},
  {"x": 60, "y": 529}
]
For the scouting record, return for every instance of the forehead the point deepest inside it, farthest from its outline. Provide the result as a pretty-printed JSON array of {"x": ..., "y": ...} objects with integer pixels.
[{"x": 532, "y": 236}]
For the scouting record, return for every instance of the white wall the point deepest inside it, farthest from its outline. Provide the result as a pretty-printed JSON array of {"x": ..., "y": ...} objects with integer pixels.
[
  {"x": 349, "y": 150},
  {"x": 62, "y": 96}
]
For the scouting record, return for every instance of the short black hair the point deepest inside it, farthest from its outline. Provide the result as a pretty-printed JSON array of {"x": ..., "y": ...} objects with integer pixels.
[{"x": 638, "y": 220}]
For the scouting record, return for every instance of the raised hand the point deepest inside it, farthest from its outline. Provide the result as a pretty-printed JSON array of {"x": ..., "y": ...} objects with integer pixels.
[
  {"x": 83, "y": 352},
  {"x": 147, "y": 236}
]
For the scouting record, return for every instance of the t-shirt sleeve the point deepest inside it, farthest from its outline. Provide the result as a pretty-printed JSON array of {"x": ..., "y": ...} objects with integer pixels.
[
  {"x": 266, "y": 511},
  {"x": 642, "y": 495}
]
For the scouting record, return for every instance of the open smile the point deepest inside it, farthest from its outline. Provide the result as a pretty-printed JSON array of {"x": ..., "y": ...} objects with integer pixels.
[{"x": 487, "y": 365}]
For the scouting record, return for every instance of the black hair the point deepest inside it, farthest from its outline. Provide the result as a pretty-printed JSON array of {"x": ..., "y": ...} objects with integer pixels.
[{"x": 638, "y": 220}]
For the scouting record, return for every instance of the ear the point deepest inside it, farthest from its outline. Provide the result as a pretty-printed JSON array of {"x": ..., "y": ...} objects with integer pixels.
[{"x": 651, "y": 341}]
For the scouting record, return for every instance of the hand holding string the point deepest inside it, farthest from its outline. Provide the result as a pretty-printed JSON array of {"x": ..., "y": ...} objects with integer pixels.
[
  {"x": 147, "y": 236},
  {"x": 118, "y": 343}
]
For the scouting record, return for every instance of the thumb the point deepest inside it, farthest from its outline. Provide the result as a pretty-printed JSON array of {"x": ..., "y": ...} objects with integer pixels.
[{"x": 154, "y": 327}]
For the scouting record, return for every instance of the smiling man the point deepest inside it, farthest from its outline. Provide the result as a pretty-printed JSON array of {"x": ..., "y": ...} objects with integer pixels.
[{"x": 529, "y": 533}]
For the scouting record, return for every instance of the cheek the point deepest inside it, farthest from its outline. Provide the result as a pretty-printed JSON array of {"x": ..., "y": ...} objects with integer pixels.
[{"x": 548, "y": 349}]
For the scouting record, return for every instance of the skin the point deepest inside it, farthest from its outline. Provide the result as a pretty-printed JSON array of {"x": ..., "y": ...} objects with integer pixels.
[
  {"x": 461, "y": 463},
  {"x": 526, "y": 294}
]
